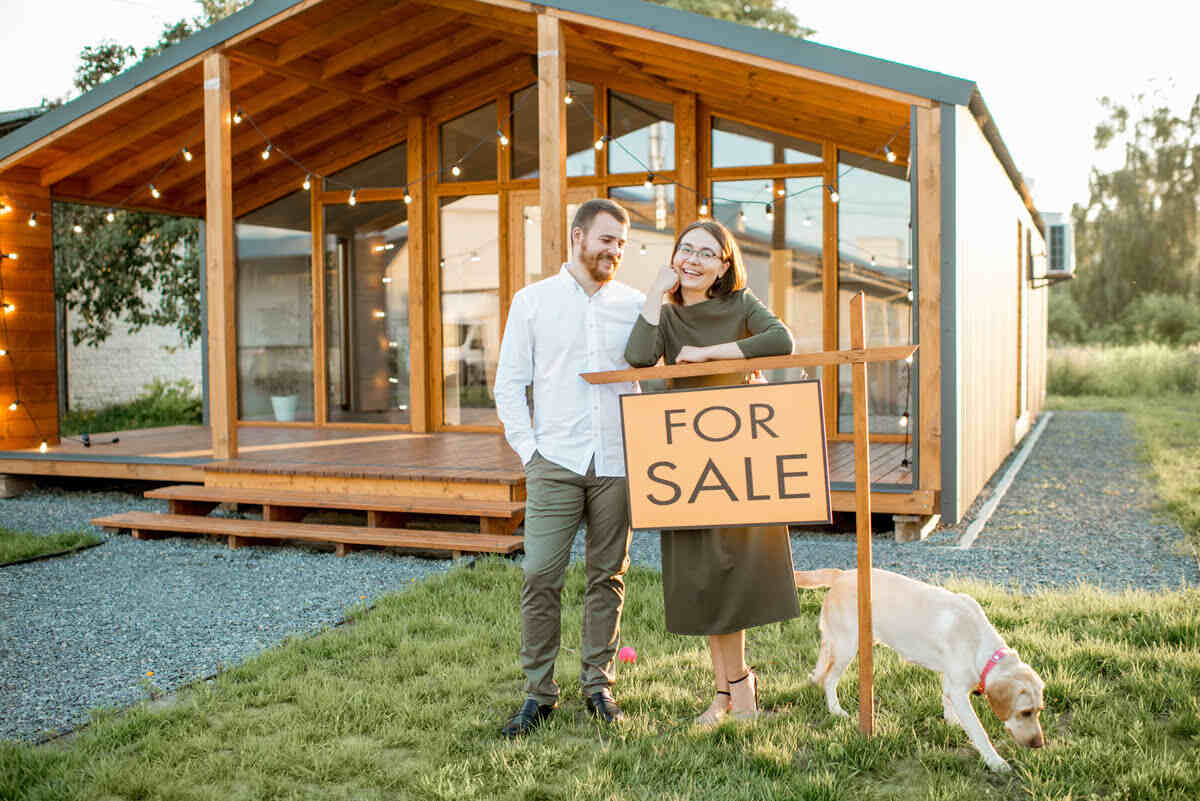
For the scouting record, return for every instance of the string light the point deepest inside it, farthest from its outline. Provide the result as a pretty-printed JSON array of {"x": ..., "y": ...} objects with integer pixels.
[
  {"x": 12, "y": 407},
  {"x": 649, "y": 182},
  {"x": 780, "y": 192},
  {"x": 12, "y": 256},
  {"x": 5, "y": 208},
  {"x": 704, "y": 207},
  {"x": 187, "y": 154},
  {"x": 642, "y": 250},
  {"x": 833, "y": 193},
  {"x": 503, "y": 138},
  {"x": 888, "y": 154},
  {"x": 33, "y": 220},
  {"x": 109, "y": 217},
  {"x": 393, "y": 380},
  {"x": 407, "y": 197},
  {"x": 307, "y": 185},
  {"x": 770, "y": 212},
  {"x": 569, "y": 99},
  {"x": 379, "y": 314},
  {"x": 77, "y": 228},
  {"x": 475, "y": 255},
  {"x": 908, "y": 359},
  {"x": 387, "y": 279},
  {"x": 43, "y": 447},
  {"x": 353, "y": 201},
  {"x": 3, "y": 351},
  {"x": 904, "y": 420},
  {"x": 266, "y": 154},
  {"x": 237, "y": 117},
  {"x": 600, "y": 142},
  {"x": 808, "y": 221},
  {"x": 9, "y": 308},
  {"x": 456, "y": 170},
  {"x": 154, "y": 192},
  {"x": 393, "y": 343}
]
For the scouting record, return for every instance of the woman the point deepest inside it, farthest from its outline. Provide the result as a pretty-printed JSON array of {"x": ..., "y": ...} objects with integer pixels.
[{"x": 717, "y": 582}]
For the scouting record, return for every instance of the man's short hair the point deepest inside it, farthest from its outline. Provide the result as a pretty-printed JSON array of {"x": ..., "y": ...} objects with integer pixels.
[{"x": 586, "y": 214}]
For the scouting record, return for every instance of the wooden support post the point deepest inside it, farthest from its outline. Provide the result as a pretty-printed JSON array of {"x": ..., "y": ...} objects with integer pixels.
[
  {"x": 552, "y": 142},
  {"x": 862, "y": 495},
  {"x": 686, "y": 173},
  {"x": 829, "y": 282},
  {"x": 418, "y": 279},
  {"x": 319, "y": 302},
  {"x": 219, "y": 257},
  {"x": 927, "y": 173}
]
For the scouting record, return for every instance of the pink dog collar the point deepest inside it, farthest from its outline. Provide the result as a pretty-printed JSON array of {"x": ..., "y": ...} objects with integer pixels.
[{"x": 991, "y": 663}]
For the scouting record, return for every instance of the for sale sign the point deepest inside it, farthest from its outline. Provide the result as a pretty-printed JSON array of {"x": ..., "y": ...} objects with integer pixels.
[{"x": 751, "y": 454}]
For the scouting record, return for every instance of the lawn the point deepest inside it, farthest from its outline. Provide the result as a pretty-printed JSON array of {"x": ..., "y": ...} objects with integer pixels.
[
  {"x": 406, "y": 702},
  {"x": 17, "y": 546}
]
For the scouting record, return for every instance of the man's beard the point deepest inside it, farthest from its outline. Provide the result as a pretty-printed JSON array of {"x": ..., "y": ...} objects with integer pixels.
[{"x": 597, "y": 262}]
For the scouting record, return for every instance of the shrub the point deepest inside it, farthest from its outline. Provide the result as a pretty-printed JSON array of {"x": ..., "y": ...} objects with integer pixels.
[
  {"x": 1168, "y": 319},
  {"x": 163, "y": 403},
  {"x": 1122, "y": 371}
]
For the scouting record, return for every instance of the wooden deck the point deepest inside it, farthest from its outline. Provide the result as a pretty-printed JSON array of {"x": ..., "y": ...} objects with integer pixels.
[{"x": 477, "y": 466}]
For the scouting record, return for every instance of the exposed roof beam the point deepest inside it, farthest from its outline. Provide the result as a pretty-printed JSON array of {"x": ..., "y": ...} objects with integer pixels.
[
  {"x": 579, "y": 39},
  {"x": 413, "y": 30},
  {"x": 370, "y": 13},
  {"x": 414, "y": 61},
  {"x": 454, "y": 73}
]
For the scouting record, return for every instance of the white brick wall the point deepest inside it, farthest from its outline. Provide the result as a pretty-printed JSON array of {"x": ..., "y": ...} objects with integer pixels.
[{"x": 118, "y": 370}]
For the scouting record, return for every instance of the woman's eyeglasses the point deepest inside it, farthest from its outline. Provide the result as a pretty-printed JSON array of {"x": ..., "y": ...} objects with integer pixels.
[{"x": 703, "y": 254}]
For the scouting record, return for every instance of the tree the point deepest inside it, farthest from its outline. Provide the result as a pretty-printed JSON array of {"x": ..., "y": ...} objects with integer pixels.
[
  {"x": 768, "y": 14},
  {"x": 1138, "y": 234},
  {"x": 105, "y": 271}
]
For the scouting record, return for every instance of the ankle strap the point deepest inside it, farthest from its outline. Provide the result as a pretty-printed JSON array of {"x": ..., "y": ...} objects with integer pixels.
[
  {"x": 722, "y": 692},
  {"x": 743, "y": 678}
]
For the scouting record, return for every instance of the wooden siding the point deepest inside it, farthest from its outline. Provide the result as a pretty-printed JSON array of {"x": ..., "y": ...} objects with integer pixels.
[
  {"x": 988, "y": 258},
  {"x": 30, "y": 370}
]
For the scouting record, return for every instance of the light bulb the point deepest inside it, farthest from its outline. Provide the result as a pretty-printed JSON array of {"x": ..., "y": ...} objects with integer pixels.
[
  {"x": 42, "y": 447},
  {"x": 154, "y": 192},
  {"x": 9, "y": 308},
  {"x": 780, "y": 191},
  {"x": 569, "y": 99},
  {"x": 649, "y": 182},
  {"x": 456, "y": 170},
  {"x": 387, "y": 279},
  {"x": 353, "y": 198},
  {"x": 380, "y": 314},
  {"x": 887, "y": 152},
  {"x": 3, "y": 351},
  {"x": 833, "y": 193},
  {"x": 237, "y": 117},
  {"x": 808, "y": 221},
  {"x": 266, "y": 154},
  {"x": 770, "y": 212},
  {"x": 12, "y": 407},
  {"x": 393, "y": 343},
  {"x": 704, "y": 207},
  {"x": 503, "y": 139},
  {"x": 5, "y": 208},
  {"x": 33, "y": 220},
  {"x": 407, "y": 197},
  {"x": 642, "y": 249},
  {"x": 307, "y": 185},
  {"x": 187, "y": 154},
  {"x": 475, "y": 255},
  {"x": 600, "y": 143},
  {"x": 910, "y": 295},
  {"x": 110, "y": 216},
  {"x": 908, "y": 359},
  {"x": 393, "y": 380},
  {"x": 77, "y": 228},
  {"x": 904, "y": 420}
]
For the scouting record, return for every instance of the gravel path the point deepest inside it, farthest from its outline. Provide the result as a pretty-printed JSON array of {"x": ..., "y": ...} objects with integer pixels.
[{"x": 84, "y": 631}]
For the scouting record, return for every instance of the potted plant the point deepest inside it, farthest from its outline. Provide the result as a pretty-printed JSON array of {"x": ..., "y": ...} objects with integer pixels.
[{"x": 283, "y": 386}]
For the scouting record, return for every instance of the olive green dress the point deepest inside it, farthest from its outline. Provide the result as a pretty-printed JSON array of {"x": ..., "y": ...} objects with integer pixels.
[{"x": 720, "y": 580}]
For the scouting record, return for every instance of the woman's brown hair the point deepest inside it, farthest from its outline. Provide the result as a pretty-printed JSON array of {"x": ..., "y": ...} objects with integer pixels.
[{"x": 734, "y": 278}]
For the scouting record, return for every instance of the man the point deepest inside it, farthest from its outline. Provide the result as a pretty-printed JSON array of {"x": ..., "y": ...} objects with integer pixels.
[{"x": 574, "y": 322}]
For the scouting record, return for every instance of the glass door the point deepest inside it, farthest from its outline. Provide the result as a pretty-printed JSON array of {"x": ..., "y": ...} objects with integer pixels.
[{"x": 366, "y": 313}]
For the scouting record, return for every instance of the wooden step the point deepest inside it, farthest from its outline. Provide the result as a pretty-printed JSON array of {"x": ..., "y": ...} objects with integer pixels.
[
  {"x": 146, "y": 525},
  {"x": 495, "y": 517}
]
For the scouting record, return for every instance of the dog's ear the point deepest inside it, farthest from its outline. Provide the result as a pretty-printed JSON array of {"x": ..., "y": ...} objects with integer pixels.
[{"x": 1001, "y": 694}]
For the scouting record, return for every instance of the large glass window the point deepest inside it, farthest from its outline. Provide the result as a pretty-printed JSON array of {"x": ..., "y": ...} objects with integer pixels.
[
  {"x": 581, "y": 155},
  {"x": 468, "y": 143},
  {"x": 642, "y": 134},
  {"x": 777, "y": 223},
  {"x": 651, "y": 231},
  {"x": 274, "y": 311},
  {"x": 366, "y": 314},
  {"x": 737, "y": 144},
  {"x": 874, "y": 256},
  {"x": 470, "y": 302},
  {"x": 389, "y": 168}
]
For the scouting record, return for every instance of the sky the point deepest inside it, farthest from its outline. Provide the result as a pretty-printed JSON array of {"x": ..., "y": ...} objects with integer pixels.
[{"x": 1041, "y": 65}]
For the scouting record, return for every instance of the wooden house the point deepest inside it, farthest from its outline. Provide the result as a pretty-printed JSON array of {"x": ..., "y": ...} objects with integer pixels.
[{"x": 376, "y": 178}]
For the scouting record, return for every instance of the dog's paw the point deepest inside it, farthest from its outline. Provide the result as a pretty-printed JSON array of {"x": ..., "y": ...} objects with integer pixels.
[
  {"x": 839, "y": 713},
  {"x": 1000, "y": 766}
]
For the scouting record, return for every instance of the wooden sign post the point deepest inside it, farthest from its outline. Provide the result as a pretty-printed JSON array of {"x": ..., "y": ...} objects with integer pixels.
[{"x": 858, "y": 357}]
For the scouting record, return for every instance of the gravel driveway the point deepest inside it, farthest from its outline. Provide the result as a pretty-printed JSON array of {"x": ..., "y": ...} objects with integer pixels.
[{"x": 84, "y": 631}]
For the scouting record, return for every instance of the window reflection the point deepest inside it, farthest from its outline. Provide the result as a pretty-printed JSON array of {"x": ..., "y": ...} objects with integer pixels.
[
  {"x": 642, "y": 134},
  {"x": 470, "y": 302},
  {"x": 468, "y": 144},
  {"x": 738, "y": 144},
  {"x": 651, "y": 232},
  {"x": 274, "y": 311},
  {"x": 581, "y": 154},
  {"x": 874, "y": 256},
  {"x": 389, "y": 168},
  {"x": 781, "y": 246}
]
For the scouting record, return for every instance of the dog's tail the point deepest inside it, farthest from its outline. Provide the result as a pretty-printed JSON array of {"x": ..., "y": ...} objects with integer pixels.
[{"x": 817, "y": 578}]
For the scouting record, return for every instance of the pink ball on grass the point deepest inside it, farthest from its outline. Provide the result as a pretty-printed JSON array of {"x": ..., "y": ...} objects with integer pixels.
[{"x": 627, "y": 654}]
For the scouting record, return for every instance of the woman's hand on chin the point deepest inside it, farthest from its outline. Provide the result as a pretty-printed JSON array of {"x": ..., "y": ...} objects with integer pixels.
[{"x": 691, "y": 353}]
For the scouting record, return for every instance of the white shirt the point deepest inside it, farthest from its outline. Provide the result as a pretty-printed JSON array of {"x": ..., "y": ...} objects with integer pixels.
[{"x": 555, "y": 331}]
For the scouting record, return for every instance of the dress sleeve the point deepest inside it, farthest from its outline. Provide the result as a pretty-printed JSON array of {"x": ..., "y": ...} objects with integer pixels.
[
  {"x": 768, "y": 335},
  {"x": 645, "y": 346}
]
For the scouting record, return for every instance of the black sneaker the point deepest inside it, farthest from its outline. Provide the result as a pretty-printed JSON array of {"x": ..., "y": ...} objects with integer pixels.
[
  {"x": 603, "y": 706},
  {"x": 529, "y": 717}
]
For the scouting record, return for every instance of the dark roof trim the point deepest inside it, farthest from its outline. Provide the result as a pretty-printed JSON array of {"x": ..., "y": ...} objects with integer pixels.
[
  {"x": 776, "y": 46},
  {"x": 142, "y": 72},
  {"x": 987, "y": 124}
]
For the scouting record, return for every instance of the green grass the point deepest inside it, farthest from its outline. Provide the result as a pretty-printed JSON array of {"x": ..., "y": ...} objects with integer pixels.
[
  {"x": 1168, "y": 427},
  {"x": 16, "y": 546},
  {"x": 1145, "y": 370},
  {"x": 161, "y": 404},
  {"x": 407, "y": 702}
]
